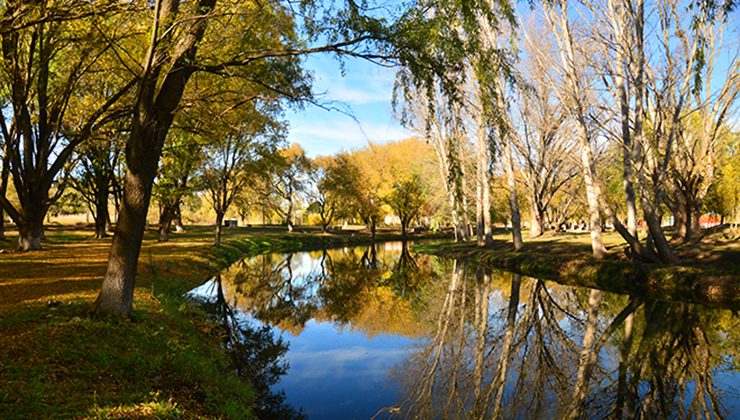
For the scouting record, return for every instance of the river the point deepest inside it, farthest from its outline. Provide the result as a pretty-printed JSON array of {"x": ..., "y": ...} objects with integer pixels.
[{"x": 381, "y": 331}]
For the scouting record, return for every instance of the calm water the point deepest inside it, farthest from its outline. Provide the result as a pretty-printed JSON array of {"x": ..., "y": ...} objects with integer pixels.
[{"x": 380, "y": 331}]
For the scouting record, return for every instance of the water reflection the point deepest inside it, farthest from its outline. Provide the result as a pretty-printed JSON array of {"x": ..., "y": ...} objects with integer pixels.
[
  {"x": 556, "y": 352},
  {"x": 380, "y": 331}
]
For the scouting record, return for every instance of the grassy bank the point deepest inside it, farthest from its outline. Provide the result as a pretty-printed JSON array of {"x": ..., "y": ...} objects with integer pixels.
[
  {"x": 60, "y": 358},
  {"x": 709, "y": 274}
]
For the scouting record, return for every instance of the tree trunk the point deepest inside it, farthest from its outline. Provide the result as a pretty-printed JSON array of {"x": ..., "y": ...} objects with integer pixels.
[
  {"x": 372, "y": 229},
  {"x": 179, "y": 227},
  {"x": 31, "y": 227},
  {"x": 30, "y": 234},
  {"x": 535, "y": 228},
  {"x": 101, "y": 210},
  {"x": 4, "y": 176},
  {"x": 483, "y": 200},
  {"x": 516, "y": 224},
  {"x": 117, "y": 292},
  {"x": 694, "y": 215},
  {"x": 219, "y": 228},
  {"x": 165, "y": 221},
  {"x": 592, "y": 195},
  {"x": 403, "y": 229}
]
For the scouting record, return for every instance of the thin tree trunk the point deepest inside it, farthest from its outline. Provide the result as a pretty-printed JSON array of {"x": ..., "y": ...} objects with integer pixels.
[
  {"x": 165, "y": 221},
  {"x": 593, "y": 194},
  {"x": 535, "y": 228},
  {"x": 516, "y": 224},
  {"x": 483, "y": 200},
  {"x": 219, "y": 228},
  {"x": 179, "y": 227},
  {"x": 4, "y": 176},
  {"x": 101, "y": 206}
]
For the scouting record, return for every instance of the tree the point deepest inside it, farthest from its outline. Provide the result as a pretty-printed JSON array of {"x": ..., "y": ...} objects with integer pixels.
[
  {"x": 239, "y": 146},
  {"x": 288, "y": 181},
  {"x": 326, "y": 181},
  {"x": 94, "y": 174},
  {"x": 49, "y": 56},
  {"x": 181, "y": 156},
  {"x": 169, "y": 63},
  {"x": 406, "y": 199},
  {"x": 572, "y": 86},
  {"x": 540, "y": 138}
]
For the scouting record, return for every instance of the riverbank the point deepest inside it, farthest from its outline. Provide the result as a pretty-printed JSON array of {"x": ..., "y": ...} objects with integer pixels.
[
  {"x": 709, "y": 274},
  {"x": 60, "y": 358}
]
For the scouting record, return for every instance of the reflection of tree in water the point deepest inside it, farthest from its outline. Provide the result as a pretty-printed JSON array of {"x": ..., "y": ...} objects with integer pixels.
[
  {"x": 362, "y": 287},
  {"x": 266, "y": 287},
  {"x": 257, "y": 356},
  {"x": 545, "y": 355},
  {"x": 406, "y": 278}
]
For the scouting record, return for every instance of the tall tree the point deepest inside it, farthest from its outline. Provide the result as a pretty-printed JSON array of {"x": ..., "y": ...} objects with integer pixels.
[
  {"x": 231, "y": 163},
  {"x": 52, "y": 52},
  {"x": 288, "y": 181}
]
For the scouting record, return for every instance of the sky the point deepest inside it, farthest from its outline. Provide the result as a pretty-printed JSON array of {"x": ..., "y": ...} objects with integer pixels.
[{"x": 365, "y": 92}]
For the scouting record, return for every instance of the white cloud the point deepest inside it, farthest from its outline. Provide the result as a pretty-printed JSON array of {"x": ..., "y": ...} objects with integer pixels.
[{"x": 331, "y": 135}]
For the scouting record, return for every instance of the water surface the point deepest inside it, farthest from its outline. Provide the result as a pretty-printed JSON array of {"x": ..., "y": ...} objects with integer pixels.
[{"x": 380, "y": 331}]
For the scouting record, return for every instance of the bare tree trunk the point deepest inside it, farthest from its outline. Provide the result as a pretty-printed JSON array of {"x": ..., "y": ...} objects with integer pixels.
[
  {"x": 4, "y": 176},
  {"x": 535, "y": 228},
  {"x": 117, "y": 292},
  {"x": 219, "y": 228},
  {"x": 593, "y": 194},
  {"x": 101, "y": 215},
  {"x": 483, "y": 200},
  {"x": 165, "y": 221},
  {"x": 516, "y": 224}
]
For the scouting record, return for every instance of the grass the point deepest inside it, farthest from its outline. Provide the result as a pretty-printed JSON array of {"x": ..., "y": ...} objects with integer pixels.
[
  {"x": 709, "y": 272},
  {"x": 61, "y": 358}
]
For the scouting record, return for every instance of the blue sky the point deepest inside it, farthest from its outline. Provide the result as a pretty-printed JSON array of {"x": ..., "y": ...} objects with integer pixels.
[{"x": 365, "y": 91}]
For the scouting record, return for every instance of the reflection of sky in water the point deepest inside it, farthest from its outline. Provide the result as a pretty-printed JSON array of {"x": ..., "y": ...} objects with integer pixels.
[
  {"x": 338, "y": 372},
  {"x": 341, "y": 374}
]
